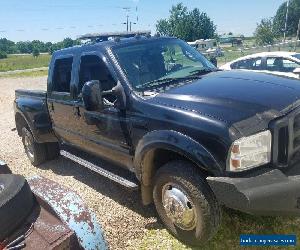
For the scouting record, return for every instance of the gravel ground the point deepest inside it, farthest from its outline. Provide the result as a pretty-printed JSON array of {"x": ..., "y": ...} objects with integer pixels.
[{"x": 124, "y": 219}]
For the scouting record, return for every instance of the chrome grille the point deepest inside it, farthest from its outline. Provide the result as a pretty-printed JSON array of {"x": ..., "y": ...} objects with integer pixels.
[{"x": 286, "y": 139}]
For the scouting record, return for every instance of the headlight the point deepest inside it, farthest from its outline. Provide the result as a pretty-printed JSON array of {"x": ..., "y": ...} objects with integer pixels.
[{"x": 250, "y": 152}]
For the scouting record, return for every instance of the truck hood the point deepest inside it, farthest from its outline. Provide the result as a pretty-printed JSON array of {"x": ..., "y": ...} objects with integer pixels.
[{"x": 247, "y": 101}]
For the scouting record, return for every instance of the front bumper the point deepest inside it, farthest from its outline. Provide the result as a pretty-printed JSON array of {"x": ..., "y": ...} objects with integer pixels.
[{"x": 270, "y": 193}]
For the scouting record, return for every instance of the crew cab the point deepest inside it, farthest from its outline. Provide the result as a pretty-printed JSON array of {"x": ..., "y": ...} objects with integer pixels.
[{"x": 191, "y": 137}]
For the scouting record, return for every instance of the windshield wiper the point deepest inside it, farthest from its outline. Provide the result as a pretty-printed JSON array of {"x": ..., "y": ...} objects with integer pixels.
[
  {"x": 203, "y": 71},
  {"x": 166, "y": 81}
]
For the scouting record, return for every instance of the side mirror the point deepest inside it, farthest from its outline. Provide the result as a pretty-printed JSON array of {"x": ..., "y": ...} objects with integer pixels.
[
  {"x": 92, "y": 96},
  {"x": 296, "y": 71}
]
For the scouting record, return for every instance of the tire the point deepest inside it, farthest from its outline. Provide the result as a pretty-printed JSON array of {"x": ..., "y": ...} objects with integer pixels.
[
  {"x": 179, "y": 177},
  {"x": 16, "y": 203},
  {"x": 36, "y": 152},
  {"x": 52, "y": 150}
]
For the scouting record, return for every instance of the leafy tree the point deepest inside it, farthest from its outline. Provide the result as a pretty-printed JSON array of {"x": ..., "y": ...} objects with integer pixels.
[
  {"x": 68, "y": 42},
  {"x": 187, "y": 25},
  {"x": 3, "y": 54},
  {"x": 264, "y": 33},
  {"x": 24, "y": 47},
  {"x": 293, "y": 18},
  {"x": 35, "y": 52},
  {"x": 7, "y": 46}
]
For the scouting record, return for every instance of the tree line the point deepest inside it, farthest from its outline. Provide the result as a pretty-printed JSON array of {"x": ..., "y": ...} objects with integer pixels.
[
  {"x": 33, "y": 47},
  {"x": 271, "y": 29}
]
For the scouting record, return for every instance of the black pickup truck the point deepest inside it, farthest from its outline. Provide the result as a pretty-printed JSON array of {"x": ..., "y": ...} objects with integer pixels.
[{"x": 195, "y": 138}]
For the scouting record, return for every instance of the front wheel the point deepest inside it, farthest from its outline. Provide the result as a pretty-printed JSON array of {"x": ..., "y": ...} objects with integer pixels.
[{"x": 185, "y": 203}]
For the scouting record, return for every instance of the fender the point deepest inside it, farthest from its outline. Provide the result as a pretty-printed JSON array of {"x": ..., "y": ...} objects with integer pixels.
[
  {"x": 35, "y": 114},
  {"x": 176, "y": 142}
]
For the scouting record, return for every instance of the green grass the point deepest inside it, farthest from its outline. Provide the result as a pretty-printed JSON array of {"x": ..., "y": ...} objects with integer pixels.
[
  {"x": 233, "y": 225},
  {"x": 15, "y": 62},
  {"x": 26, "y": 74},
  {"x": 232, "y": 54}
]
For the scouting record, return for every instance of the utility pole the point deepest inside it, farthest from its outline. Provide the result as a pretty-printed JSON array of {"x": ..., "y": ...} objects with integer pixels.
[
  {"x": 286, "y": 19},
  {"x": 298, "y": 31},
  {"x": 298, "y": 36},
  {"x": 127, "y": 9},
  {"x": 131, "y": 25},
  {"x": 127, "y": 22}
]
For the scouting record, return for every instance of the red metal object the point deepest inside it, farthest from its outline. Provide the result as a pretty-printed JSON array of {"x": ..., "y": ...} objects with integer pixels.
[
  {"x": 59, "y": 219},
  {"x": 44, "y": 229}
]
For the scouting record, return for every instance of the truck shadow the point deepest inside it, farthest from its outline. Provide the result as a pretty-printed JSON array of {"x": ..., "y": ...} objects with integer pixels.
[
  {"x": 131, "y": 199},
  {"x": 234, "y": 223}
]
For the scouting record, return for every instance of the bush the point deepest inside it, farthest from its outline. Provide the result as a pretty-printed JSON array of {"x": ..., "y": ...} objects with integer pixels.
[
  {"x": 3, "y": 54},
  {"x": 35, "y": 52}
]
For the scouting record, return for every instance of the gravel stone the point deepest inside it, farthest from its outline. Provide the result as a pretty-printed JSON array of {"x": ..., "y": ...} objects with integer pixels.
[{"x": 120, "y": 212}]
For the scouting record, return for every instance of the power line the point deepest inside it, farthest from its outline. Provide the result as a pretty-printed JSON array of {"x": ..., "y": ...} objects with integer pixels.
[{"x": 128, "y": 22}]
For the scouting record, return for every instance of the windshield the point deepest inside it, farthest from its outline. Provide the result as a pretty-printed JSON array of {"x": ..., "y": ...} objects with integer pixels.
[
  {"x": 152, "y": 64},
  {"x": 297, "y": 56}
]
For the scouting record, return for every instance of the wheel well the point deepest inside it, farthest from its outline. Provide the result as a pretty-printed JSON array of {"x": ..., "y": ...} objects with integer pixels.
[
  {"x": 20, "y": 123},
  {"x": 154, "y": 160}
]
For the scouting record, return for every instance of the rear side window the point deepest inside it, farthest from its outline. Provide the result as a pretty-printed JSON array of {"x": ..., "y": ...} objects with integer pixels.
[
  {"x": 281, "y": 64},
  {"x": 62, "y": 75}
]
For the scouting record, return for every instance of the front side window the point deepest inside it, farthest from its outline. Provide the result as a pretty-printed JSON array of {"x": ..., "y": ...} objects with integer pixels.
[
  {"x": 290, "y": 66},
  {"x": 152, "y": 64},
  {"x": 281, "y": 64},
  {"x": 62, "y": 75},
  {"x": 93, "y": 68},
  {"x": 250, "y": 64}
]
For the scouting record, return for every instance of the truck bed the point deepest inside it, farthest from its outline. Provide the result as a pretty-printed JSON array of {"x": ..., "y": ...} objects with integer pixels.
[
  {"x": 31, "y": 93},
  {"x": 31, "y": 109}
]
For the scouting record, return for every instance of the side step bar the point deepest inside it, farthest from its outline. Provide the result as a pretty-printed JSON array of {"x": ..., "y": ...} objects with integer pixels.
[{"x": 116, "y": 178}]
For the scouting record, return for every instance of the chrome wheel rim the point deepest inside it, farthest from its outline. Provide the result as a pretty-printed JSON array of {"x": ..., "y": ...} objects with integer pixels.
[
  {"x": 28, "y": 146},
  {"x": 179, "y": 207}
]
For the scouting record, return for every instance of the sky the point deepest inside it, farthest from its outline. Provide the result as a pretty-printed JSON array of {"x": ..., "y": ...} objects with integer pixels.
[{"x": 53, "y": 20}]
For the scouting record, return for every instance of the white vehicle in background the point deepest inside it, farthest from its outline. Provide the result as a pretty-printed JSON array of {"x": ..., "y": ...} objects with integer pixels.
[{"x": 278, "y": 63}]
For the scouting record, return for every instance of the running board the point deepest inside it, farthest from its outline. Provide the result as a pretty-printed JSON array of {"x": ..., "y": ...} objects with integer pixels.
[{"x": 116, "y": 178}]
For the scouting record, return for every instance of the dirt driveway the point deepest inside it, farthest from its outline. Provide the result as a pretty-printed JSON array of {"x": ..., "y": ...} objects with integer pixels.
[
  {"x": 126, "y": 222},
  {"x": 120, "y": 212}
]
